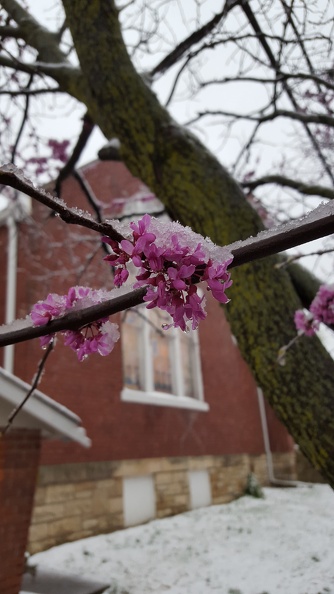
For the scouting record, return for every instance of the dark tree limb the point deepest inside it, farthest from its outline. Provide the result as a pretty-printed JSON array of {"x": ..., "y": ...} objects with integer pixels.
[
  {"x": 11, "y": 176},
  {"x": 40, "y": 369},
  {"x": 24, "y": 120},
  {"x": 281, "y": 180},
  {"x": 179, "y": 51},
  {"x": 87, "y": 129}
]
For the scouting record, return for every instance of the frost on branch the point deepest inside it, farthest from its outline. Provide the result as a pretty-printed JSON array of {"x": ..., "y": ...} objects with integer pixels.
[
  {"x": 171, "y": 260},
  {"x": 97, "y": 337}
]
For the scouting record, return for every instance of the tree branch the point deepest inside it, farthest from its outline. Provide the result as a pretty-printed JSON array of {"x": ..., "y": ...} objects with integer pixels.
[
  {"x": 281, "y": 180},
  {"x": 11, "y": 176},
  {"x": 73, "y": 320},
  {"x": 86, "y": 131},
  {"x": 310, "y": 118},
  {"x": 60, "y": 71},
  {"x": 24, "y": 119},
  {"x": 34, "y": 34},
  {"x": 30, "y": 92},
  {"x": 34, "y": 385},
  {"x": 281, "y": 76},
  {"x": 318, "y": 223},
  {"x": 179, "y": 51},
  {"x": 274, "y": 64},
  {"x": 9, "y": 31}
]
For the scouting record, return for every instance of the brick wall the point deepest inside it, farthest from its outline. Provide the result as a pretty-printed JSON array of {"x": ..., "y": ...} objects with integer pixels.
[
  {"x": 75, "y": 501},
  {"x": 19, "y": 457}
]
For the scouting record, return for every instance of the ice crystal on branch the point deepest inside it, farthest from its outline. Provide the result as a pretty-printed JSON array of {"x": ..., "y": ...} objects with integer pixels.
[
  {"x": 171, "y": 259},
  {"x": 97, "y": 337}
]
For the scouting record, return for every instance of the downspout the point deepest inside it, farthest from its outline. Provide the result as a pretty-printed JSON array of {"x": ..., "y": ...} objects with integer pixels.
[
  {"x": 10, "y": 309},
  {"x": 270, "y": 466}
]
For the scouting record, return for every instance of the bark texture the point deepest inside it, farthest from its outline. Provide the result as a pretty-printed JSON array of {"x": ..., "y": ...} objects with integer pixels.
[{"x": 199, "y": 192}]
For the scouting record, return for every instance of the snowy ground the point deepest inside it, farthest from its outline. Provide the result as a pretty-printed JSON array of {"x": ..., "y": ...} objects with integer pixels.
[{"x": 283, "y": 544}]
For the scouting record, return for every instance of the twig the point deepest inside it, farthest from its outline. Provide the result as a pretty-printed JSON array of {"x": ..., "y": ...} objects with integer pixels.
[
  {"x": 87, "y": 129},
  {"x": 34, "y": 385},
  {"x": 11, "y": 176},
  {"x": 24, "y": 119},
  {"x": 296, "y": 257}
]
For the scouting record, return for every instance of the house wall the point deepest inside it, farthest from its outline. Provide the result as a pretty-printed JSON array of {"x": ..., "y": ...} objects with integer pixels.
[
  {"x": 80, "y": 500},
  {"x": 19, "y": 457}
]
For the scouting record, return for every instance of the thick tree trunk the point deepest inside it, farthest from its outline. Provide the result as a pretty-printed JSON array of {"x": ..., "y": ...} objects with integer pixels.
[{"x": 199, "y": 192}]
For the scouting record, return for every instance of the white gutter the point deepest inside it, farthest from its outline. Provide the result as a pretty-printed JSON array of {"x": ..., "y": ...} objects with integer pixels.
[
  {"x": 10, "y": 310},
  {"x": 39, "y": 412},
  {"x": 270, "y": 466}
]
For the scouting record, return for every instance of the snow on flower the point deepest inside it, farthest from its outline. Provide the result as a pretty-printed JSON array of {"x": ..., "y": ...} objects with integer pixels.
[
  {"x": 171, "y": 259},
  {"x": 305, "y": 323},
  {"x": 321, "y": 310},
  {"x": 97, "y": 337}
]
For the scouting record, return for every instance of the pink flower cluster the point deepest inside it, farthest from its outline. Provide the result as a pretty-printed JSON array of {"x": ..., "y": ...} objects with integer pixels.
[
  {"x": 321, "y": 310},
  {"x": 171, "y": 260},
  {"x": 98, "y": 337}
]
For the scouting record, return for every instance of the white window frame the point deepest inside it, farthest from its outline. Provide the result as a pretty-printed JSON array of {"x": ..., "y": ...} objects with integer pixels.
[{"x": 177, "y": 399}]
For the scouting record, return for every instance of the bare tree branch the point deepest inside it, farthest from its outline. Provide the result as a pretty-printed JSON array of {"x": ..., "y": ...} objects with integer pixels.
[
  {"x": 281, "y": 76},
  {"x": 86, "y": 131},
  {"x": 263, "y": 41},
  {"x": 281, "y": 180},
  {"x": 58, "y": 71},
  {"x": 30, "y": 92},
  {"x": 9, "y": 31},
  {"x": 310, "y": 118},
  {"x": 24, "y": 120},
  {"x": 34, "y": 34},
  {"x": 34, "y": 385},
  {"x": 11, "y": 176},
  {"x": 179, "y": 51}
]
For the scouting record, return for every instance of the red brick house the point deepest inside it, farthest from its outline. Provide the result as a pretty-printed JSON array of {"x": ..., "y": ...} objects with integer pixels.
[
  {"x": 19, "y": 459},
  {"x": 174, "y": 420}
]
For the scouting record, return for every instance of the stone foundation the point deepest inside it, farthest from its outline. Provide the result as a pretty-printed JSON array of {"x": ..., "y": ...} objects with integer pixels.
[{"x": 75, "y": 501}]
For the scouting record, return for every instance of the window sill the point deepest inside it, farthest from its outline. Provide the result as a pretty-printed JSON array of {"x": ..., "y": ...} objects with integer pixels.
[{"x": 162, "y": 399}]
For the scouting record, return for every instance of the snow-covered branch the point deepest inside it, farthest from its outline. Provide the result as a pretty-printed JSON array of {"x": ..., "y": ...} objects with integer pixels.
[
  {"x": 13, "y": 177},
  {"x": 318, "y": 223}
]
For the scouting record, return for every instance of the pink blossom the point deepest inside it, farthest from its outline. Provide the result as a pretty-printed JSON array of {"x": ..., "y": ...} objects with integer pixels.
[
  {"x": 171, "y": 259},
  {"x": 178, "y": 276},
  {"x": 44, "y": 311},
  {"x": 305, "y": 323},
  {"x": 98, "y": 337},
  {"x": 321, "y": 310},
  {"x": 322, "y": 306}
]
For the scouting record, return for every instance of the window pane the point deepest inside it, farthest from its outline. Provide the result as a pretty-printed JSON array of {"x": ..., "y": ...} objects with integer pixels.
[
  {"x": 187, "y": 346},
  {"x": 160, "y": 341},
  {"x": 131, "y": 337}
]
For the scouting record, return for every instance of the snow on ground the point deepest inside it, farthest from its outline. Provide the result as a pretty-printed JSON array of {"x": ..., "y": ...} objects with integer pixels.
[{"x": 283, "y": 544}]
